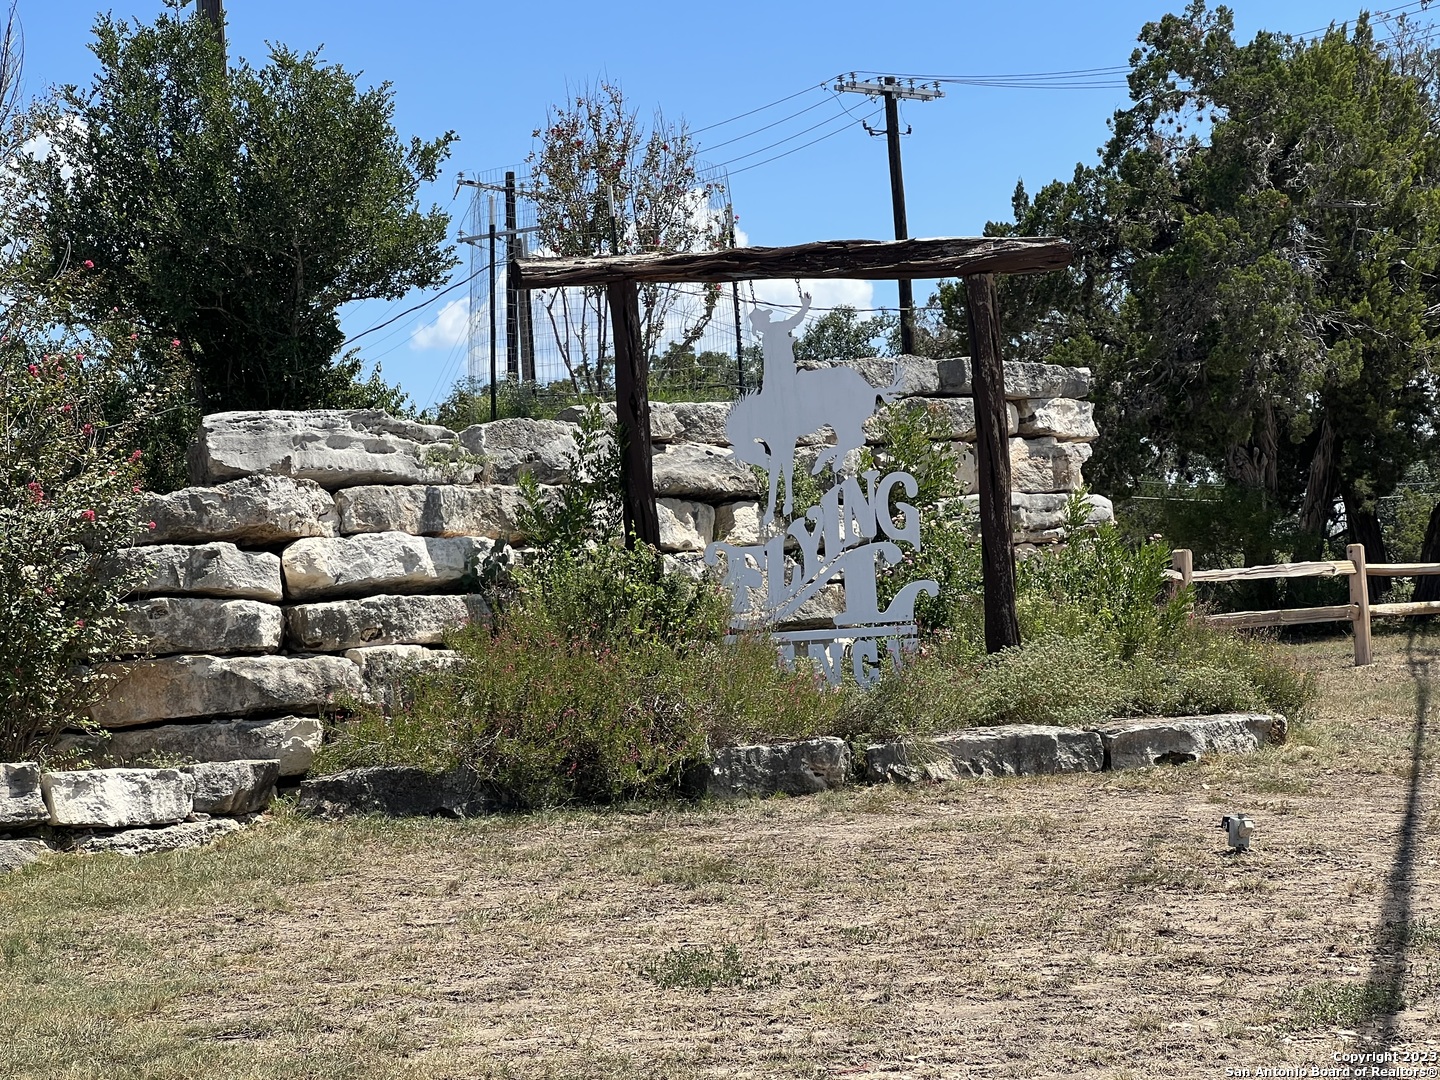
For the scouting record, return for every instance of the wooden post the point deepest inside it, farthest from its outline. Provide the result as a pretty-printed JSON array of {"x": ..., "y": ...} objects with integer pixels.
[
  {"x": 992, "y": 463},
  {"x": 1360, "y": 600},
  {"x": 1360, "y": 603},
  {"x": 1183, "y": 563},
  {"x": 632, "y": 408}
]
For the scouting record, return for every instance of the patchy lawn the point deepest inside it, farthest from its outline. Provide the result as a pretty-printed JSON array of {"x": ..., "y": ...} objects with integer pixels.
[{"x": 1080, "y": 926}]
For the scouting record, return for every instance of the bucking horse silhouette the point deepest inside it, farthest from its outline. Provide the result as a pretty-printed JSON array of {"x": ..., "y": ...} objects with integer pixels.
[{"x": 764, "y": 426}]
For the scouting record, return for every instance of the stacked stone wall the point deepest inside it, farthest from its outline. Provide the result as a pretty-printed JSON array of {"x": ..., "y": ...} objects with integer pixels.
[{"x": 320, "y": 552}]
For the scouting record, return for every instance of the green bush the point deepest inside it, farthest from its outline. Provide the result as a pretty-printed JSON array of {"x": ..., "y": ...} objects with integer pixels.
[{"x": 70, "y": 495}]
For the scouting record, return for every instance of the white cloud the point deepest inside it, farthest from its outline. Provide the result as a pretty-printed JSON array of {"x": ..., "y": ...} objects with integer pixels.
[
  {"x": 825, "y": 293},
  {"x": 450, "y": 328}
]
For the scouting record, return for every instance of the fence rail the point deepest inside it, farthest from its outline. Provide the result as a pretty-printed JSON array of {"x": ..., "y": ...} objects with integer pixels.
[{"x": 1358, "y": 612}]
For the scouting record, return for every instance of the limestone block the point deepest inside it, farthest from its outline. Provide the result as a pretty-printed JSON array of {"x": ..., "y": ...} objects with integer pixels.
[
  {"x": 697, "y": 471},
  {"x": 116, "y": 798},
  {"x": 510, "y": 448},
  {"x": 738, "y": 522},
  {"x": 955, "y": 416},
  {"x": 177, "y": 687},
  {"x": 664, "y": 425},
  {"x": 253, "y": 510},
  {"x": 1039, "y": 518},
  {"x": 909, "y": 375},
  {"x": 397, "y": 791},
  {"x": 334, "y": 447},
  {"x": 384, "y": 669},
  {"x": 797, "y": 768},
  {"x": 702, "y": 422},
  {"x": 1045, "y": 464},
  {"x": 1022, "y": 380},
  {"x": 1064, "y": 418},
  {"x": 17, "y": 853},
  {"x": 685, "y": 525},
  {"x": 435, "y": 510},
  {"x": 379, "y": 620},
  {"x": 1133, "y": 744},
  {"x": 231, "y": 787},
  {"x": 291, "y": 741},
  {"x": 379, "y": 563},
  {"x": 219, "y": 569},
  {"x": 1004, "y": 750},
  {"x": 175, "y": 624},
  {"x": 22, "y": 802},
  {"x": 187, "y": 834}
]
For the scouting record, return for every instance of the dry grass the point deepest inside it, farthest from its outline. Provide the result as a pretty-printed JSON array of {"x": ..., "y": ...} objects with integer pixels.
[{"x": 1086, "y": 926}]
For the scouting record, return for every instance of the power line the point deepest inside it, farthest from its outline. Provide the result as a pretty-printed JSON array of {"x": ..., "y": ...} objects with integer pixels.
[
  {"x": 786, "y": 139},
  {"x": 424, "y": 303},
  {"x": 802, "y": 146},
  {"x": 767, "y": 127},
  {"x": 762, "y": 108}
]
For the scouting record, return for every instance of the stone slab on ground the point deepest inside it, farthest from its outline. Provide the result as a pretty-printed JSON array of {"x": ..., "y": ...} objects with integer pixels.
[
  {"x": 955, "y": 417},
  {"x": 231, "y": 787},
  {"x": 1135, "y": 744},
  {"x": 17, "y": 853},
  {"x": 116, "y": 798},
  {"x": 511, "y": 448},
  {"x": 218, "y": 569},
  {"x": 370, "y": 563},
  {"x": 334, "y": 447},
  {"x": 22, "y": 798},
  {"x": 1004, "y": 750},
  {"x": 1046, "y": 464},
  {"x": 255, "y": 510},
  {"x": 798, "y": 768},
  {"x": 192, "y": 624},
  {"x": 186, "y": 834},
  {"x": 909, "y": 375},
  {"x": 433, "y": 510},
  {"x": 396, "y": 791},
  {"x": 292, "y": 741},
  {"x": 337, "y": 625},
  {"x": 180, "y": 687}
]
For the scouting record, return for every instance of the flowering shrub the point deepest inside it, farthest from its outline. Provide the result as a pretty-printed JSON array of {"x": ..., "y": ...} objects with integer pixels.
[{"x": 69, "y": 492}]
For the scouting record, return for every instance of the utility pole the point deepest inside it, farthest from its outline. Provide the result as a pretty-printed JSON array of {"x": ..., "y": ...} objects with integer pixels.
[
  {"x": 892, "y": 91},
  {"x": 214, "y": 10}
]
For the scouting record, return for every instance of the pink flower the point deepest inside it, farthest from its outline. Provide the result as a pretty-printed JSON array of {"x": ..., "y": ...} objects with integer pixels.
[
  {"x": 36, "y": 490},
  {"x": 66, "y": 407},
  {"x": 88, "y": 429},
  {"x": 88, "y": 515},
  {"x": 80, "y": 623},
  {"x": 150, "y": 524},
  {"x": 33, "y": 370},
  {"x": 134, "y": 337},
  {"x": 89, "y": 265},
  {"x": 135, "y": 488},
  {"x": 135, "y": 455},
  {"x": 175, "y": 343}
]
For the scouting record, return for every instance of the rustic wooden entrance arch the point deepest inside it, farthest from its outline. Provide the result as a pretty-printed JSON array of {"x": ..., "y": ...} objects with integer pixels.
[{"x": 975, "y": 259}]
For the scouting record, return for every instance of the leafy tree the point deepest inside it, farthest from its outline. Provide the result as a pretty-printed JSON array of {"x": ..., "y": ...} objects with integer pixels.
[
  {"x": 238, "y": 210},
  {"x": 594, "y": 156},
  {"x": 841, "y": 334},
  {"x": 1255, "y": 273}
]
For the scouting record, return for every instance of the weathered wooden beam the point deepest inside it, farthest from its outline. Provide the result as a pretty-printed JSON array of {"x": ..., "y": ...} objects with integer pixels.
[
  {"x": 868, "y": 259},
  {"x": 1327, "y": 568},
  {"x": 1246, "y": 620},
  {"x": 632, "y": 412},
  {"x": 992, "y": 464}
]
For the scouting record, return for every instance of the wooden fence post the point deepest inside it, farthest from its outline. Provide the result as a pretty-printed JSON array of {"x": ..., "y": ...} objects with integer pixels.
[
  {"x": 1183, "y": 563},
  {"x": 1360, "y": 603}
]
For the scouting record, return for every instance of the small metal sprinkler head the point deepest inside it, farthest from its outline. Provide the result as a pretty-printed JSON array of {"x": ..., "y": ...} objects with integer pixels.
[{"x": 1240, "y": 828}]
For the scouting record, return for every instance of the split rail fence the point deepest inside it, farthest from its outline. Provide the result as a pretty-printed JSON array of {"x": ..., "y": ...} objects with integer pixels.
[{"x": 1358, "y": 612}]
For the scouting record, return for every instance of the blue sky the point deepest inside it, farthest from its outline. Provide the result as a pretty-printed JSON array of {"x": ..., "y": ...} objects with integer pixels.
[{"x": 489, "y": 71}]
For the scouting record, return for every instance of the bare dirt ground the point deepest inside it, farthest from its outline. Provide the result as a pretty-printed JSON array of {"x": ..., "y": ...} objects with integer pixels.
[{"x": 1077, "y": 926}]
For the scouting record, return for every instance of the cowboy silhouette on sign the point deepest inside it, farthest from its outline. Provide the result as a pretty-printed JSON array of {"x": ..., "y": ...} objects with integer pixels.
[{"x": 764, "y": 426}]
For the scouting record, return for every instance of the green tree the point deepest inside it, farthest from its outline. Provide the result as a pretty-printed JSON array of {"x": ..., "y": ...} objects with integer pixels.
[
  {"x": 593, "y": 157},
  {"x": 238, "y": 209},
  {"x": 841, "y": 334},
  {"x": 1255, "y": 272}
]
